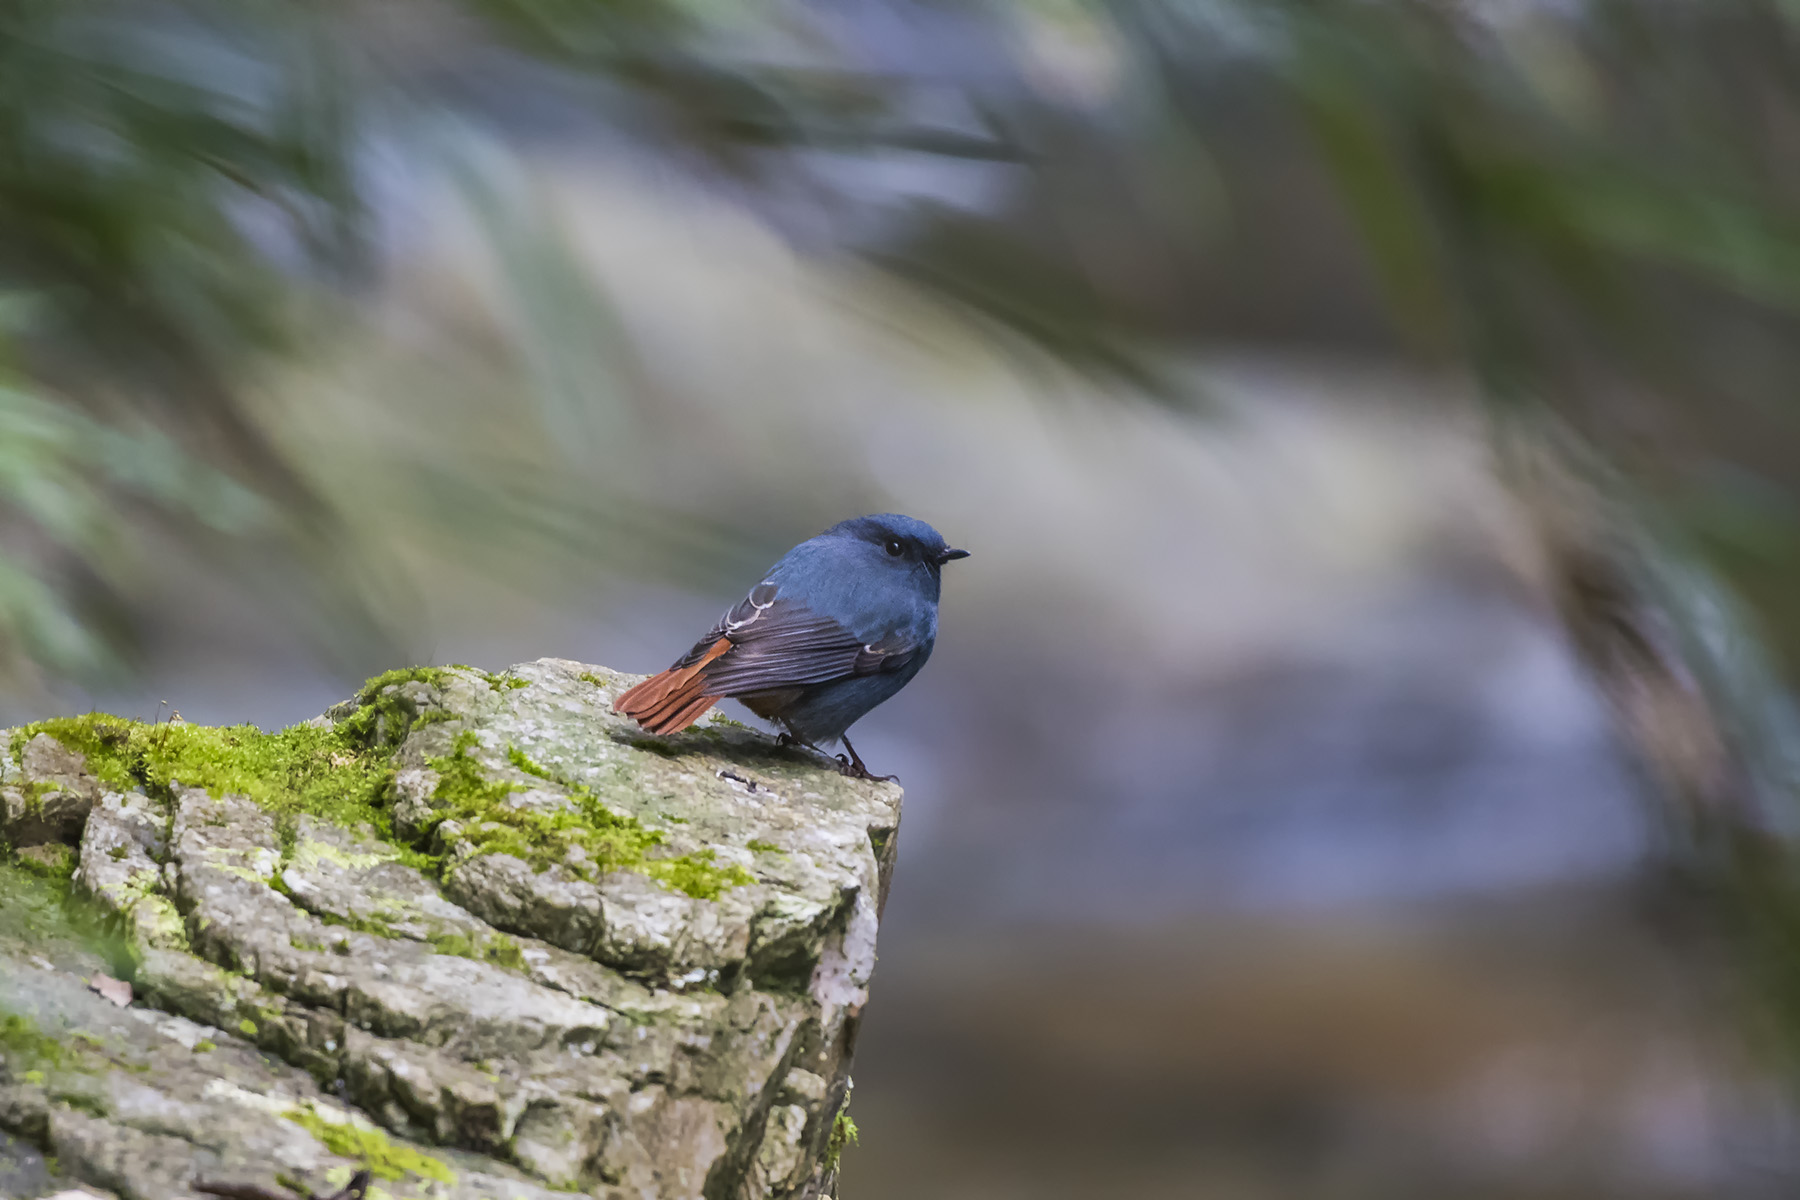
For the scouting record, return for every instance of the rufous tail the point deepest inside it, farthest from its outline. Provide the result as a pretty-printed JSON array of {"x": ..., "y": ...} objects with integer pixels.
[{"x": 670, "y": 702}]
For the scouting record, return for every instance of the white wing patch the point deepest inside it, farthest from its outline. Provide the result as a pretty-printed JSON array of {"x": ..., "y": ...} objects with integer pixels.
[{"x": 760, "y": 599}]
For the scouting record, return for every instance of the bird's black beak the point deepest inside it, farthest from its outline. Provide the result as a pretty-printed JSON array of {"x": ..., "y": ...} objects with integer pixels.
[{"x": 945, "y": 556}]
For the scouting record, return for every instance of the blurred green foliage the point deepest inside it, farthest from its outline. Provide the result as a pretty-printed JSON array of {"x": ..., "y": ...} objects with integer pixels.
[{"x": 163, "y": 168}]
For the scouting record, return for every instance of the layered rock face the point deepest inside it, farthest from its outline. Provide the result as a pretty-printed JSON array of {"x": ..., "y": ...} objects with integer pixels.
[{"x": 470, "y": 932}]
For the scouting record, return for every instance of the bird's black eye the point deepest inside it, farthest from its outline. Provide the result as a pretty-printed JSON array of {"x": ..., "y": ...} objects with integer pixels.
[{"x": 894, "y": 547}]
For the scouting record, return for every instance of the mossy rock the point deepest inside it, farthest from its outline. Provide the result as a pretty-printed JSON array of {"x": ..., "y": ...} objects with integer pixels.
[{"x": 471, "y": 932}]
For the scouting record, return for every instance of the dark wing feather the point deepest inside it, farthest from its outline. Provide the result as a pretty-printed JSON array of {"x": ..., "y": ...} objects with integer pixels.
[
  {"x": 886, "y": 656},
  {"x": 789, "y": 645},
  {"x": 774, "y": 643}
]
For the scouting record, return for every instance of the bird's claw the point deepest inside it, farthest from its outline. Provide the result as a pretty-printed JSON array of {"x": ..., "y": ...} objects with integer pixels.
[
  {"x": 852, "y": 765},
  {"x": 858, "y": 771}
]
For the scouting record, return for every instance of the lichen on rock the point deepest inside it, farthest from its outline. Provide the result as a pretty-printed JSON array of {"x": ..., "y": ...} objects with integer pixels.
[{"x": 472, "y": 932}]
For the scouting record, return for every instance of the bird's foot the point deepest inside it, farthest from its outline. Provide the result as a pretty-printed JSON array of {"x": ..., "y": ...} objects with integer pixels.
[
  {"x": 858, "y": 771},
  {"x": 853, "y": 766}
]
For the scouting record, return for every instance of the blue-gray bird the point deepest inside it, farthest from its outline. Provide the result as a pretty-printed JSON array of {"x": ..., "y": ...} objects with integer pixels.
[{"x": 841, "y": 623}]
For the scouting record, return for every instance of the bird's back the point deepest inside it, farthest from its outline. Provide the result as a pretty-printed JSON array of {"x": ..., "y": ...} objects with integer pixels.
[{"x": 835, "y": 578}]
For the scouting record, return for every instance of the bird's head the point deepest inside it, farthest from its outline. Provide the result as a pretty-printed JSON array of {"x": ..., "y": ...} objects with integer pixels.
[{"x": 904, "y": 540}]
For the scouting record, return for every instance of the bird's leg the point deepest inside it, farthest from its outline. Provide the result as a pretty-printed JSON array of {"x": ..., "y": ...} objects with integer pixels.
[
  {"x": 855, "y": 769},
  {"x": 791, "y": 741}
]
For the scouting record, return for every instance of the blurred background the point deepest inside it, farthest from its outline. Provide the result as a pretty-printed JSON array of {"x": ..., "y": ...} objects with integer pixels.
[{"x": 1358, "y": 760}]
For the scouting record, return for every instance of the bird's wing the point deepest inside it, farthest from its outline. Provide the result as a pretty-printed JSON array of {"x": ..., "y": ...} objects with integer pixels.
[{"x": 767, "y": 642}]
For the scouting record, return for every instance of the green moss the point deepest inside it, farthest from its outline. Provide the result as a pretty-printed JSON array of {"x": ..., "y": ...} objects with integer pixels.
[
  {"x": 247, "y": 1027},
  {"x": 371, "y": 1147},
  {"x": 85, "y": 1102},
  {"x": 97, "y": 737},
  {"x": 497, "y": 949},
  {"x": 383, "y": 713},
  {"x": 491, "y": 826},
  {"x": 313, "y": 851},
  {"x": 45, "y": 1061},
  {"x": 327, "y": 772},
  {"x": 590, "y": 677},
  {"x": 843, "y": 1135},
  {"x": 607, "y": 841},
  {"x": 203, "y": 1046},
  {"x": 375, "y": 923},
  {"x": 654, "y": 746},
  {"x": 22, "y": 1042},
  {"x": 341, "y": 774},
  {"x": 502, "y": 951},
  {"x": 53, "y": 862},
  {"x": 697, "y": 874},
  {"x": 300, "y": 769},
  {"x": 437, "y": 677},
  {"x": 462, "y": 787},
  {"x": 332, "y": 772},
  {"x": 33, "y": 791},
  {"x": 761, "y": 846},
  {"x": 456, "y": 944},
  {"x": 518, "y": 758},
  {"x": 37, "y": 917}
]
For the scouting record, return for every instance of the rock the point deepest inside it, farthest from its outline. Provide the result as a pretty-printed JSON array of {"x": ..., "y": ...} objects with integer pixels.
[
  {"x": 471, "y": 932},
  {"x": 51, "y": 799}
]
